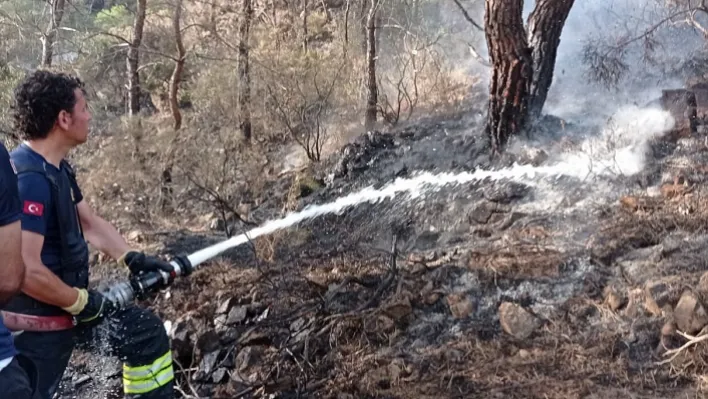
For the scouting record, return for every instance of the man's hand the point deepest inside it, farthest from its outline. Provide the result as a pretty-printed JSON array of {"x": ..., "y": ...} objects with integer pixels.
[
  {"x": 91, "y": 307},
  {"x": 139, "y": 263}
]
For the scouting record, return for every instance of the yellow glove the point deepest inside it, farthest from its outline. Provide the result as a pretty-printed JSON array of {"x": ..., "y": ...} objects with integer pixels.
[
  {"x": 122, "y": 260},
  {"x": 91, "y": 306},
  {"x": 80, "y": 303}
]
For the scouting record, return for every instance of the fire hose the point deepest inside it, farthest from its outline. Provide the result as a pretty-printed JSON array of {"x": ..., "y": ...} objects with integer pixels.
[{"x": 121, "y": 293}]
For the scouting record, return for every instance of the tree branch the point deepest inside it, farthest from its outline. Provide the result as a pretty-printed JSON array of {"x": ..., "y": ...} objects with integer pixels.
[{"x": 467, "y": 16}]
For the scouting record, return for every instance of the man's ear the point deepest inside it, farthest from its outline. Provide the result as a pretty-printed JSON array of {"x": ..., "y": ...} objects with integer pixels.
[{"x": 64, "y": 120}]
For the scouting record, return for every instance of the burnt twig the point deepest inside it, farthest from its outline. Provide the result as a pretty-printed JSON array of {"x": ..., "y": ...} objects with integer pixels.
[{"x": 390, "y": 277}]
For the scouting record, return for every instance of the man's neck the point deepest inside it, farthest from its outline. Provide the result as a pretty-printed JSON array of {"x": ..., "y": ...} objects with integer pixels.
[{"x": 51, "y": 149}]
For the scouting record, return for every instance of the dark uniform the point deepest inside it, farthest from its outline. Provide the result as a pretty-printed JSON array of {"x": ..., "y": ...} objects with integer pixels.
[
  {"x": 18, "y": 377},
  {"x": 136, "y": 336}
]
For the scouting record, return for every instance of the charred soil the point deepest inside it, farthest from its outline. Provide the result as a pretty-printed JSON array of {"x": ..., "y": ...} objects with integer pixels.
[{"x": 467, "y": 291}]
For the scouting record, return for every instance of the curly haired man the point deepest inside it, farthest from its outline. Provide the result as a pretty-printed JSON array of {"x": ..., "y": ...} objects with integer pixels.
[{"x": 52, "y": 117}]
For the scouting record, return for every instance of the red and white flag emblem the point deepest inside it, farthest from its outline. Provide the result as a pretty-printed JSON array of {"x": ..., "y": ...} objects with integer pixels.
[{"x": 33, "y": 208}]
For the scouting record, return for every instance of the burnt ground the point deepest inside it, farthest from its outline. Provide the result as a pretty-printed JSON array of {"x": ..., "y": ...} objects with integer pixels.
[{"x": 491, "y": 291}]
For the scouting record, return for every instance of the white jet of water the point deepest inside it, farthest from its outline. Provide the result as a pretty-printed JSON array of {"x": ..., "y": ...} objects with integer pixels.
[{"x": 624, "y": 153}]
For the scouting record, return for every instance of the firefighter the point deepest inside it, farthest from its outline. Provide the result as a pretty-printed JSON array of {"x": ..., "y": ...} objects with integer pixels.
[
  {"x": 17, "y": 375},
  {"x": 52, "y": 117}
]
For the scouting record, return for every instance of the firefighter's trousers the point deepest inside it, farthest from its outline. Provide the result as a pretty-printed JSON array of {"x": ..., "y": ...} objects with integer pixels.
[
  {"x": 136, "y": 336},
  {"x": 18, "y": 380}
]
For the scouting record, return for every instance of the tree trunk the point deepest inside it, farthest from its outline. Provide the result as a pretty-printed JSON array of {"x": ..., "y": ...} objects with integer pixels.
[
  {"x": 544, "y": 31},
  {"x": 346, "y": 27},
  {"x": 512, "y": 70},
  {"x": 133, "y": 60},
  {"x": 363, "y": 24},
  {"x": 166, "y": 189},
  {"x": 373, "y": 96},
  {"x": 179, "y": 66},
  {"x": 50, "y": 37},
  {"x": 304, "y": 27},
  {"x": 244, "y": 98}
]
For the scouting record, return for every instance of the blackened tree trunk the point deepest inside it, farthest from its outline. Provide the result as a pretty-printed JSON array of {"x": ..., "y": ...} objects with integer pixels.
[
  {"x": 544, "y": 31},
  {"x": 372, "y": 99},
  {"x": 50, "y": 37},
  {"x": 133, "y": 60},
  {"x": 244, "y": 98},
  {"x": 511, "y": 74},
  {"x": 523, "y": 62}
]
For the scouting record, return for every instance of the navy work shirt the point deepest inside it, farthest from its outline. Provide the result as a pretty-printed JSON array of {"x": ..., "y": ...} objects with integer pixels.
[
  {"x": 10, "y": 209},
  {"x": 38, "y": 212}
]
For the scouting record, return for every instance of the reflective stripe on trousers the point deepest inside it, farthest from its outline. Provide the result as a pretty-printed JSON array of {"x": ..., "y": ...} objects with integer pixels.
[{"x": 143, "y": 379}]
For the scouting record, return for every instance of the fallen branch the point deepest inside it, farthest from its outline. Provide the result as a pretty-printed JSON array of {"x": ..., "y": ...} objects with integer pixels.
[{"x": 691, "y": 341}]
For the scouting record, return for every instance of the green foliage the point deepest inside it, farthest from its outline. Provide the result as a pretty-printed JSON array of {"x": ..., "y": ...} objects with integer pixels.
[
  {"x": 115, "y": 17},
  {"x": 9, "y": 78}
]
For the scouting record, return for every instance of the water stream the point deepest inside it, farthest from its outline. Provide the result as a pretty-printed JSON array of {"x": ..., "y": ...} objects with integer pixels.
[{"x": 619, "y": 150}]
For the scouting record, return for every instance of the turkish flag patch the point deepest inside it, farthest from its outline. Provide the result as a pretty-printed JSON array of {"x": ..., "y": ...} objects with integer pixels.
[{"x": 33, "y": 208}]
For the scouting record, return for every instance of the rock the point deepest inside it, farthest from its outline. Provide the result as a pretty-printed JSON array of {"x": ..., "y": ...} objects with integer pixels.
[
  {"x": 658, "y": 294},
  {"x": 136, "y": 236},
  {"x": 206, "y": 365},
  {"x": 690, "y": 315},
  {"x": 247, "y": 357},
  {"x": 614, "y": 298},
  {"x": 505, "y": 192},
  {"x": 702, "y": 288},
  {"x": 460, "y": 305},
  {"x": 220, "y": 323},
  {"x": 635, "y": 303},
  {"x": 181, "y": 337},
  {"x": 237, "y": 315},
  {"x": 484, "y": 210},
  {"x": 634, "y": 203},
  {"x": 673, "y": 190},
  {"x": 432, "y": 298},
  {"x": 218, "y": 376},
  {"x": 253, "y": 337},
  {"x": 533, "y": 156},
  {"x": 298, "y": 324},
  {"x": 308, "y": 185},
  {"x": 481, "y": 213},
  {"x": 669, "y": 328},
  {"x": 398, "y": 309},
  {"x": 516, "y": 321},
  {"x": 226, "y": 306},
  {"x": 217, "y": 224},
  {"x": 385, "y": 324},
  {"x": 208, "y": 341}
]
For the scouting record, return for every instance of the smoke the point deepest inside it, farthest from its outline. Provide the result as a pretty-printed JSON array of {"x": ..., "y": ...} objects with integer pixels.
[
  {"x": 621, "y": 149},
  {"x": 575, "y": 98},
  {"x": 623, "y": 144}
]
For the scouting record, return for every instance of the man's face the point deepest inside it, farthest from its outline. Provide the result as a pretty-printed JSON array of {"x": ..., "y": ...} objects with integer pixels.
[{"x": 75, "y": 125}]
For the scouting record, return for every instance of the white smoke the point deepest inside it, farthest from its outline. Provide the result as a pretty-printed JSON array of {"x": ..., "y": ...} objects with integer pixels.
[{"x": 621, "y": 148}]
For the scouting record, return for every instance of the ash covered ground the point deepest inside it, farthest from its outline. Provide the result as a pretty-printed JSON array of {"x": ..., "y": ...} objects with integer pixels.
[{"x": 564, "y": 287}]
